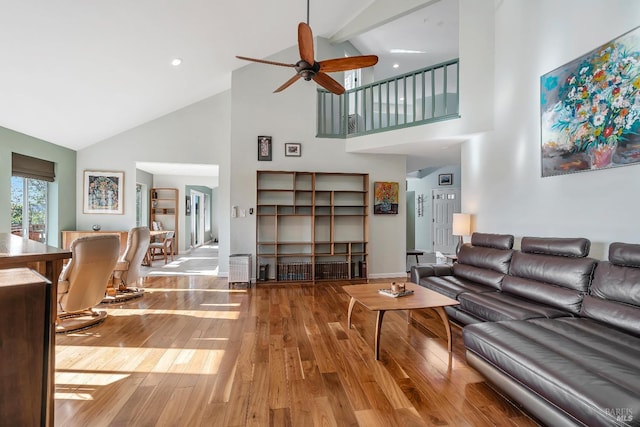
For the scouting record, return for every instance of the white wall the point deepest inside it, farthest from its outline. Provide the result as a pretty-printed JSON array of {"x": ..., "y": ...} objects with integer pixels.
[
  {"x": 502, "y": 183},
  {"x": 199, "y": 133},
  {"x": 290, "y": 116}
]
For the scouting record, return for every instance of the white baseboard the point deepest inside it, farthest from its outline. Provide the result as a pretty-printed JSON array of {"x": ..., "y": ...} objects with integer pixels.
[{"x": 387, "y": 275}]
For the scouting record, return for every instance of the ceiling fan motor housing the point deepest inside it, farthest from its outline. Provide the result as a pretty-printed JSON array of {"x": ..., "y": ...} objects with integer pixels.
[{"x": 306, "y": 70}]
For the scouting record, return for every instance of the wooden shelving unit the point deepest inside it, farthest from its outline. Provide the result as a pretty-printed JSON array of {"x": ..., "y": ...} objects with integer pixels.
[
  {"x": 164, "y": 208},
  {"x": 311, "y": 226}
]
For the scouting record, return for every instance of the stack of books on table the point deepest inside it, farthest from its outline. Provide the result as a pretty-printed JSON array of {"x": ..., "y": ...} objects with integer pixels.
[{"x": 390, "y": 293}]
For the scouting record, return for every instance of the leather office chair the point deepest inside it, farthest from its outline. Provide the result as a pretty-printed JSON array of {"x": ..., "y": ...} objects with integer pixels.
[
  {"x": 164, "y": 248},
  {"x": 84, "y": 279},
  {"x": 127, "y": 271}
]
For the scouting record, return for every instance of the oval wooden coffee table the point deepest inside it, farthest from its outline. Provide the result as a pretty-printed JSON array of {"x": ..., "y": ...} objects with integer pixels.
[{"x": 368, "y": 296}]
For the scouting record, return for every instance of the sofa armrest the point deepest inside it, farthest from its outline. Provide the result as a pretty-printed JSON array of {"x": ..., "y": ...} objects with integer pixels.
[{"x": 420, "y": 271}]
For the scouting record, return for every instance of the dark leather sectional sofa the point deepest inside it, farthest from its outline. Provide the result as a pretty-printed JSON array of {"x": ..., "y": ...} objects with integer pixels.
[{"x": 557, "y": 331}]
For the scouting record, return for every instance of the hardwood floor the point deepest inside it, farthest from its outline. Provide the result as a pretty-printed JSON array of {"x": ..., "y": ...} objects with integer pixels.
[{"x": 192, "y": 352}]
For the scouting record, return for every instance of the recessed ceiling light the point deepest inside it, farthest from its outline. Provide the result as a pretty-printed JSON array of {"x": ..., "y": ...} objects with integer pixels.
[
  {"x": 396, "y": 65},
  {"x": 406, "y": 51},
  {"x": 176, "y": 61}
]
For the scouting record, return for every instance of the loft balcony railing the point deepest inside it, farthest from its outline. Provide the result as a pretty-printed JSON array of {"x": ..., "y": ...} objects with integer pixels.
[{"x": 423, "y": 96}]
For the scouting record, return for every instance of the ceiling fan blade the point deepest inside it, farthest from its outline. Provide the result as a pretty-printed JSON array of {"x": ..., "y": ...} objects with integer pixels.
[
  {"x": 328, "y": 83},
  {"x": 348, "y": 63},
  {"x": 305, "y": 43},
  {"x": 262, "y": 61},
  {"x": 288, "y": 83}
]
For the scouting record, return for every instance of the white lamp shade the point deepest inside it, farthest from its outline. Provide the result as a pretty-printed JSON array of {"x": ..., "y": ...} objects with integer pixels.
[{"x": 461, "y": 224}]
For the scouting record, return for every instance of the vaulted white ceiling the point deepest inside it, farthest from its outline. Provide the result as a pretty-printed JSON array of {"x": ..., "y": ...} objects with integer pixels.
[{"x": 77, "y": 72}]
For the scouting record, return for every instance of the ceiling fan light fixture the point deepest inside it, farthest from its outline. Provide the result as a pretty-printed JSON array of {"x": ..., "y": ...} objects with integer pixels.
[{"x": 307, "y": 74}]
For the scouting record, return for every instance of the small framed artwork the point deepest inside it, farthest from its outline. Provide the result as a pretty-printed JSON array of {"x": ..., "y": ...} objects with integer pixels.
[
  {"x": 187, "y": 205},
  {"x": 385, "y": 197},
  {"x": 293, "y": 149},
  {"x": 103, "y": 192},
  {"x": 264, "y": 148},
  {"x": 445, "y": 179}
]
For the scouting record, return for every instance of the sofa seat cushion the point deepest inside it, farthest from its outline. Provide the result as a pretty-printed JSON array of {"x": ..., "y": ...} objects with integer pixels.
[
  {"x": 581, "y": 366},
  {"x": 497, "y": 306},
  {"x": 453, "y": 286}
]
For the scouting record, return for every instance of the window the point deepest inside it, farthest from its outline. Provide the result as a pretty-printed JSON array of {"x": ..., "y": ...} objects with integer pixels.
[
  {"x": 29, "y": 208},
  {"x": 139, "y": 207},
  {"x": 352, "y": 78}
]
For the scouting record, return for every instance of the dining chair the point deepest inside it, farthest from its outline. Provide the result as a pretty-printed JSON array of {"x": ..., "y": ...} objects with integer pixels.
[{"x": 164, "y": 248}]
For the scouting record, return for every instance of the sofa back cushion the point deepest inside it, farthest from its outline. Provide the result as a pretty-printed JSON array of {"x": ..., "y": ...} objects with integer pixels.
[
  {"x": 551, "y": 271},
  {"x": 560, "y": 246},
  {"x": 488, "y": 240},
  {"x": 486, "y": 260},
  {"x": 614, "y": 297}
]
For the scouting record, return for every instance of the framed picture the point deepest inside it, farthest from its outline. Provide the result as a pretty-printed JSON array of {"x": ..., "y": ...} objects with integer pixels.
[
  {"x": 187, "y": 205},
  {"x": 293, "y": 149},
  {"x": 385, "y": 197},
  {"x": 589, "y": 110},
  {"x": 264, "y": 148},
  {"x": 103, "y": 192},
  {"x": 445, "y": 179}
]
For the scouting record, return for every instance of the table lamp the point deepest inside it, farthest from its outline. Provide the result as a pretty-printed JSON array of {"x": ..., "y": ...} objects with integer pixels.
[{"x": 461, "y": 227}]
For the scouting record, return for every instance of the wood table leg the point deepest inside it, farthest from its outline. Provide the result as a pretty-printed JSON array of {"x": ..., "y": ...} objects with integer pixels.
[
  {"x": 352, "y": 302},
  {"x": 378, "y": 329},
  {"x": 447, "y": 327}
]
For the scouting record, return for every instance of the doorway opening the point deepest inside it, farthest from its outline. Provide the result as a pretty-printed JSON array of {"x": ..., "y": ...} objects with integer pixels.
[{"x": 200, "y": 218}]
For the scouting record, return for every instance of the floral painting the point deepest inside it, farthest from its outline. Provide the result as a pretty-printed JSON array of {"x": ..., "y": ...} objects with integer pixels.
[
  {"x": 103, "y": 192},
  {"x": 385, "y": 198},
  {"x": 590, "y": 109}
]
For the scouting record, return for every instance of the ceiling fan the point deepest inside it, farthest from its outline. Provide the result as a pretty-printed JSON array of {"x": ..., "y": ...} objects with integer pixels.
[{"x": 309, "y": 69}]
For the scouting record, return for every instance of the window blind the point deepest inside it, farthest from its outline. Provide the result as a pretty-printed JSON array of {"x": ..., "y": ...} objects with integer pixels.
[{"x": 32, "y": 167}]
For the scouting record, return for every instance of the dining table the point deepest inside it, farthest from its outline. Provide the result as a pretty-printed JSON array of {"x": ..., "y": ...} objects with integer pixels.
[{"x": 17, "y": 251}]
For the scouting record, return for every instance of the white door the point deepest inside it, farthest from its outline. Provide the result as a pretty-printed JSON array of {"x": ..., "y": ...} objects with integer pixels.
[{"x": 445, "y": 203}]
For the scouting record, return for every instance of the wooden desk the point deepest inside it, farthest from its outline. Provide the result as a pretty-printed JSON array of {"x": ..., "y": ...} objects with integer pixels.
[
  {"x": 21, "y": 252},
  {"x": 70, "y": 236}
]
